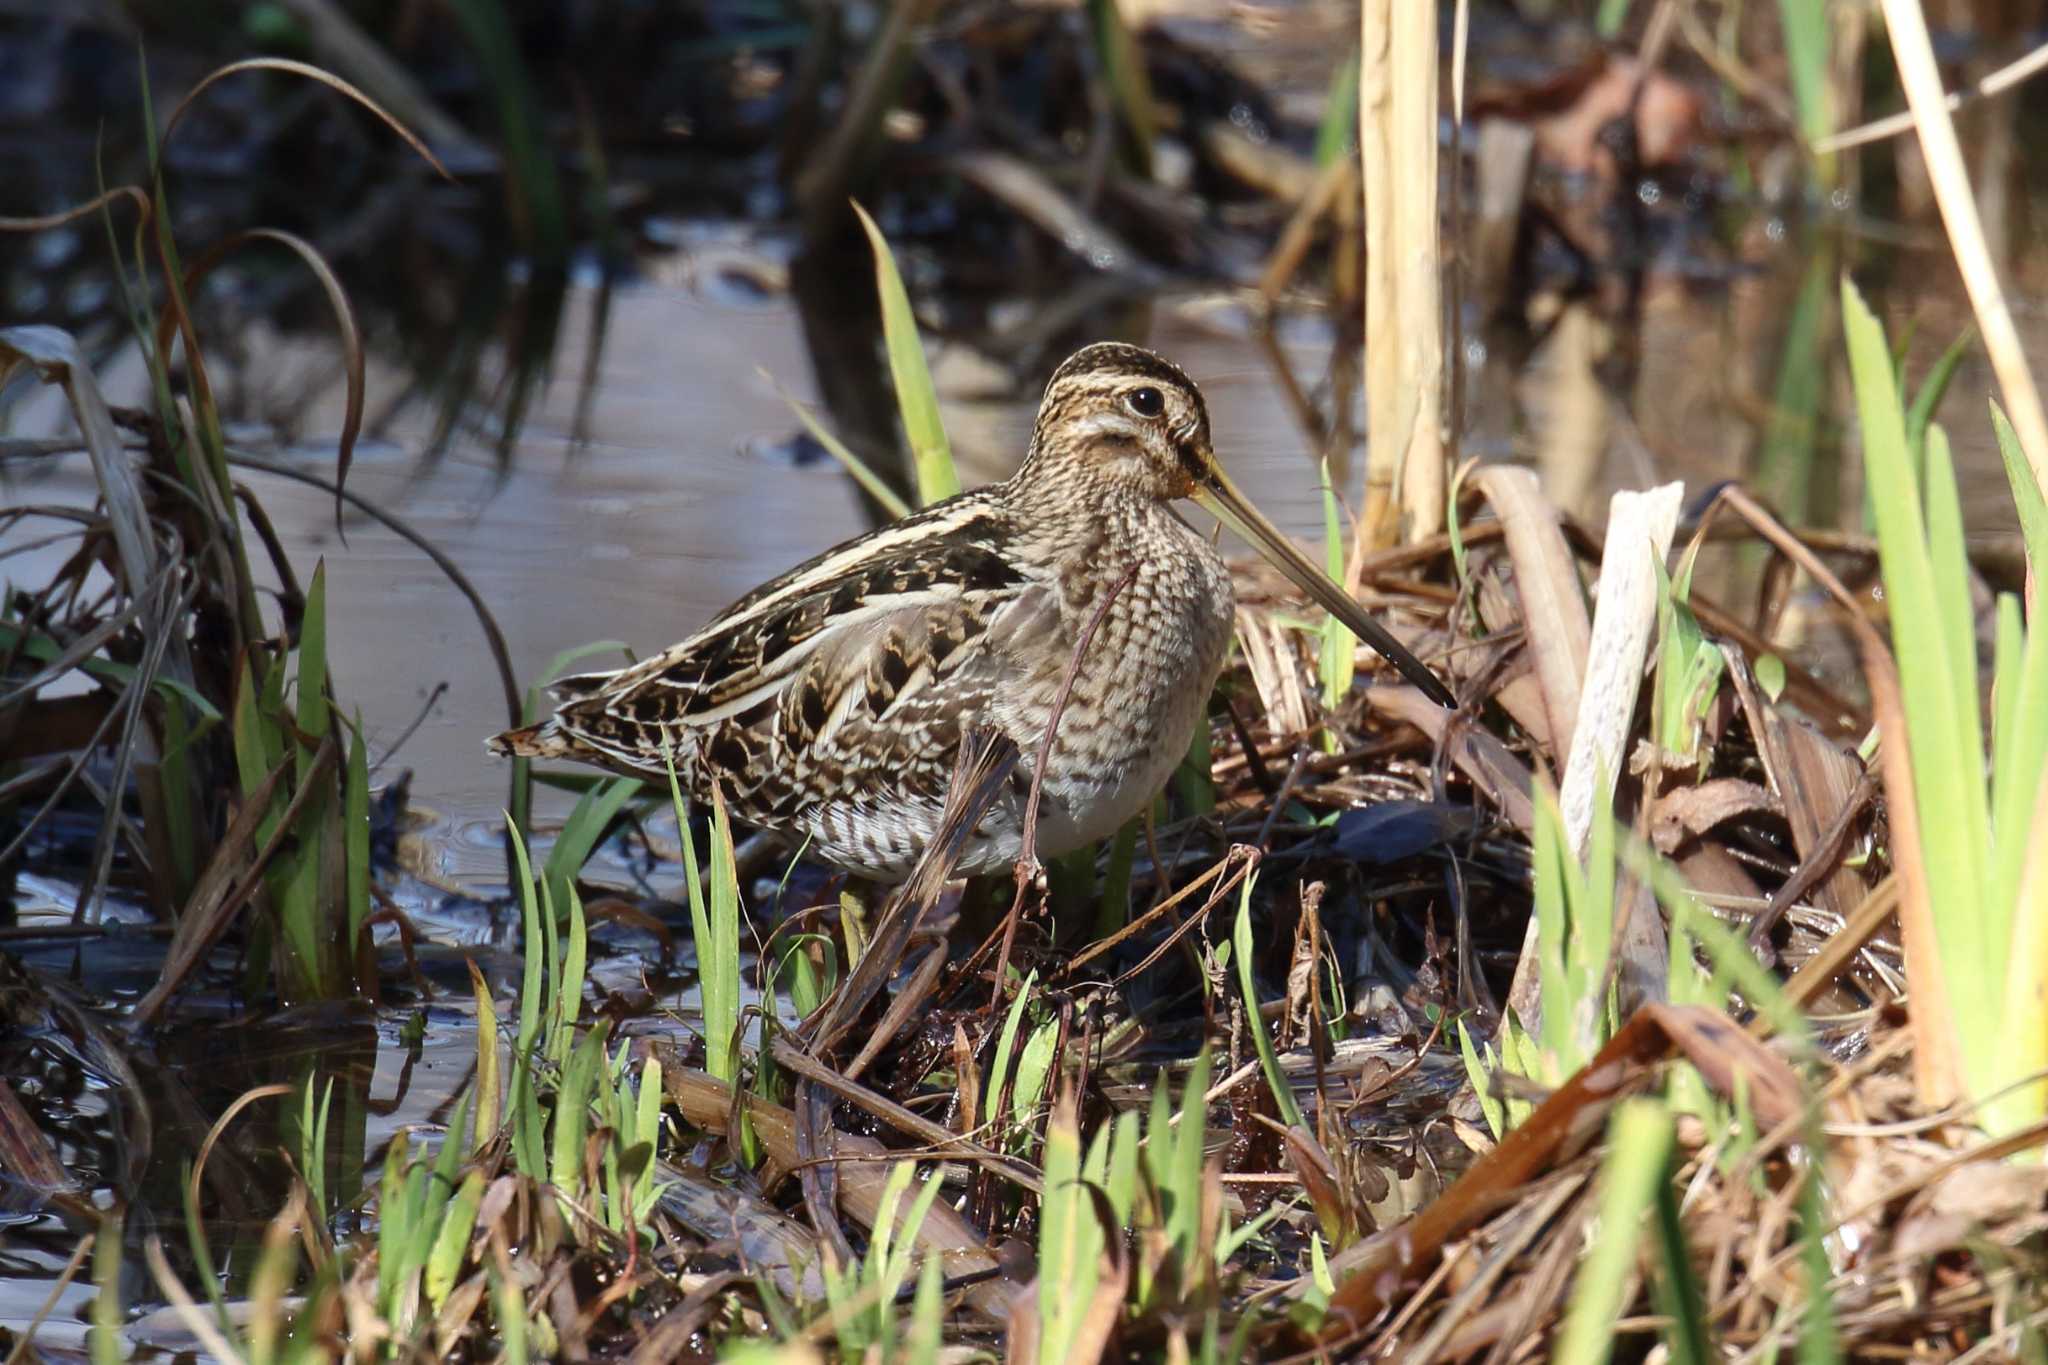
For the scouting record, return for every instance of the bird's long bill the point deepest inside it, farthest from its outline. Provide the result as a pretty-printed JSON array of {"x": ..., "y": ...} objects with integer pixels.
[{"x": 1230, "y": 507}]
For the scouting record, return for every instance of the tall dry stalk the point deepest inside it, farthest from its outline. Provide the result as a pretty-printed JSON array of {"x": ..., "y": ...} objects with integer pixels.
[
  {"x": 1397, "y": 145},
  {"x": 1914, "y": 53}
]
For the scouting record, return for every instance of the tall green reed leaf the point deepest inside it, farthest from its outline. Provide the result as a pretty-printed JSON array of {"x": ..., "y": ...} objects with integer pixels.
[
  {"x": 1808, "y": 40},
  {"x": 715, "y": 930},
  {"x": 1927, "y": 590},
  {"x": 1677, "y": 1291},
  {"x": 870, "y": 482},
  {"x": 1130, "y": 87},
  {"x": 917, "y": 401},
  {"x": 1338, "y": 655}
]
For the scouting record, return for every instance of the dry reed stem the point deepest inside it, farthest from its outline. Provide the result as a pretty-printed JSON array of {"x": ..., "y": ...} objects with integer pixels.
[
  {"x": 1397, "y": 143},
  {"x": 340, "y": 43},
  {"x": 1914, "y": 53},
  {"x": 2007, "y": 77},
  {"x": 1577, "y": 423}
]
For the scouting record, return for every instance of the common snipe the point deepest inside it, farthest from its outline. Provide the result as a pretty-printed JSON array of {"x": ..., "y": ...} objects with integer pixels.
[{"x": 830, "y": 702}]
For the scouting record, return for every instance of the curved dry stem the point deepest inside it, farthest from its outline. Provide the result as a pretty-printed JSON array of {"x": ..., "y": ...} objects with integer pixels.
[
  {"x": 344, "y": 317},
  {"x": 77, "y": 211},
  {"x": 311, "y": 73},
  {"x": 57, "y": 1288},
  {"x": 241, "y": 1102},
  {"x": 181, "y": 1301},
  {"x": 494, "y": 637}
]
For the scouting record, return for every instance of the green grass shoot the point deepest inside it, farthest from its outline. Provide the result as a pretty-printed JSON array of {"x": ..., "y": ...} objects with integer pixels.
[
  {"x": 916, "y": 400},
  {"x": 1269, "y": 1060},
  {"x": 1978, "y": 838}
]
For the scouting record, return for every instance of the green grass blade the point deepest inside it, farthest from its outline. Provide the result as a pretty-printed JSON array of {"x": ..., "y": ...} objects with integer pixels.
[
  {"x": 1677, "y": 1290},
  {"x": 312, "y": 698},
  {"x": 1638, "y": 1148},
  {"x": 451, "y": 1242},
  {"x": 1481, "y": 1079},
  {"x": 489, "y": 1097},
  {"x": 1807, "y": 43},
  {"x": 916, "y": 399},
  {"x": 1552, "y": 896},
  {"x": 1949, "y": 554},
  {"x": 1114, "y": 910},
  {"x": 1006, "y": 1043},
  {"x": 586, "y": 825},
  {"x": 1269, "y": 1061},
  {"x": 1785, "y": 460},
  {"x": 572, "y": 1113},
  {"x": 1939, "y": 690},
  {"x": 1123, "y": 67},
  {"x": 533, "y": 934},
  {"x": 1927, "y": 400},
  {"x": 927, "y": 1315},
  {"x": 1193, "y": 782},
  {"x": 1034, "y": 1067},
  {"x": 1190, "y": 1148},
  {"x": 718, "y": 958},
  {"x": 2027, "y": 493},
  {"x": 356, "y": 837},
  {"x": 566, "y": 991},
  {"x": 1338, "y": 659},
  {"x": 1820, "y": 1340},
  {"x": 511, "y": 1314},
  {"x": 2020, "y": 742},
  {"x": 1338, "y": 132},
  {"x": 870, "y": 482},
  {"x": 1069, "y": 1240},
  {"x": 301, "y": 912},
  {"x": 104, "y": 1338}
]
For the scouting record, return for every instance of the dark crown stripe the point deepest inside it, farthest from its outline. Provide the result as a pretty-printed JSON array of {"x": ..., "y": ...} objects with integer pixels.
[{"x": 1116, "y": 357}]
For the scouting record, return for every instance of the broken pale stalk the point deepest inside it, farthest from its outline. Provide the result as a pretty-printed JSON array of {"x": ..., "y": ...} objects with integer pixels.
[{"x": 1639, "y": 531}]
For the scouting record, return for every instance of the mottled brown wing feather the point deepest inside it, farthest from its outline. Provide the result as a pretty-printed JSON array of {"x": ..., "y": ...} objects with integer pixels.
[{"x": 841, "y": 683}]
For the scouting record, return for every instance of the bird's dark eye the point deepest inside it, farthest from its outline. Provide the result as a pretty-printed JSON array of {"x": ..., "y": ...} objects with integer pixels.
[{"x": 1146, "y": 402}]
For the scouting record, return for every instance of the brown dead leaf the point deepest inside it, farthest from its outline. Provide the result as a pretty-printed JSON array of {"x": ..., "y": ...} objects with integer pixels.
[
  {"x": 1691, "y": 811},
  {"x": 1547, "y": 582}
]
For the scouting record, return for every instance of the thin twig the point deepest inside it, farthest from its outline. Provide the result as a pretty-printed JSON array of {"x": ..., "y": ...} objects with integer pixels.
[
  {"x": 1027, "y": 851},
  {"x": 1891, "y": 125},
  {"x": 494, "y": 637}
]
